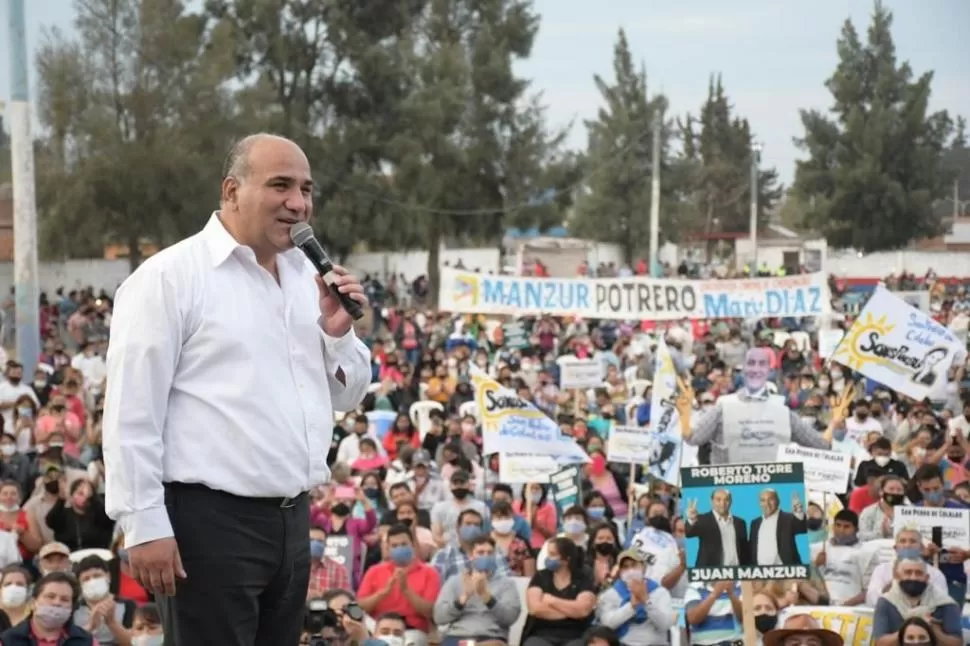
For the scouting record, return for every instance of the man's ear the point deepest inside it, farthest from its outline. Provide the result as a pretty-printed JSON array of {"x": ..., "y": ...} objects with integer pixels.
[{"x": 230, "y": 190}]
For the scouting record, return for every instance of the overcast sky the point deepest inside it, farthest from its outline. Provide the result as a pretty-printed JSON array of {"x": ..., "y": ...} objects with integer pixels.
[{"x": 774, "y": 55}]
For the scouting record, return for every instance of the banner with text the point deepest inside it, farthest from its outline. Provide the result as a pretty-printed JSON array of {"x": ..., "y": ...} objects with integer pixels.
[
  {"x": 634, "y": 298},
  {"x": 955, "y": 523},
  {"x": 580, "y": 373},
  {"x": 826, "y": 471},
  {"x": 900, "y": 347},
  {"x": 744, "y": 495}
]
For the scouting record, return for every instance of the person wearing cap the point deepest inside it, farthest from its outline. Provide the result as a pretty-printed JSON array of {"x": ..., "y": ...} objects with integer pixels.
[
  {"x": 792, "y": 635},
  {"x": 54, "y": 557},
  {"x": 444, "y": 515},
  {"x": 637, "y": 608},
  {"x": 456, "y": 557}
]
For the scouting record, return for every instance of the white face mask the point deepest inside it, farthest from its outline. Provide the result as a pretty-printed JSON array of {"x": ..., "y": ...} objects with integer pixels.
[
  {"x": 8, "y": 449},
  {"x": 13, "y": 596},
  {"x": 882, "y": 460},
  {"x": 95, "y": 589},
  {"x": 148, "y": 640},
  {"x": 503, "y": 526},
  {"x": 9, "y": 508},
  {"x": 391, "y": 640}
]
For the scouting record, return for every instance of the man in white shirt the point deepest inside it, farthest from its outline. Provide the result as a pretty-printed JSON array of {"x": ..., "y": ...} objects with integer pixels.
[
  {"x": 11, "y": 389},
  {"x": 225, "y": 367},
  {"x": 843, "y": 563},
  {"x": 909, "y": 545}
]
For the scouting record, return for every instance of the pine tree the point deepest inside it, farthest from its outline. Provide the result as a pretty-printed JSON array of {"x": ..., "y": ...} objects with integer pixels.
[
  {"x": 875, "y": 166},
  {"x": 616, "y": 205}
]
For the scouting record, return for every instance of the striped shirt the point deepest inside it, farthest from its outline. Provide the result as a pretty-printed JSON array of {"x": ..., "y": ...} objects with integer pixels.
[{"x": 720, "y": 626}]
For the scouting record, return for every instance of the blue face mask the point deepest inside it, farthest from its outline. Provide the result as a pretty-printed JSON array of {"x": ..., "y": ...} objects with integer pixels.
[
  {"x": 909, "y": 554},
  {"x": 935, "y": 497},
  {"x": 839, "y": 435},
  {"x": 484, "y": 564},
  {"x": 468, "y": 533},
  {"x": 401, "y": 555},
  {"x": 681, "y": 542},
  {"x": 596, "y": 513},
  {"x": 316, "y": 550},
  {"x": 553, "y": 564},
  {"x": 574, "y": 527},
  {"x": 845, "y": 540}
]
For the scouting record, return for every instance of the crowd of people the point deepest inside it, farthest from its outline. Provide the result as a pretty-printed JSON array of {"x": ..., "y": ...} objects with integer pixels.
[{"x": 417, "y": 540}]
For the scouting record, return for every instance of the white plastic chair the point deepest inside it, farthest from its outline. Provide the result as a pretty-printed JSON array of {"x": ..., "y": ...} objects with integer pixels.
[
  {"x": 469, "y": 408},
  {"x": 422, "y": 391},
  {"x": 420, "y": 414}
]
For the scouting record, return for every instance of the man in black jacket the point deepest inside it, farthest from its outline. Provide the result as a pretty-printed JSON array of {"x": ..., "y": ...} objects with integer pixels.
[
  {"x": 723, "y": 537},
  {"x": 773, "y": 534}
]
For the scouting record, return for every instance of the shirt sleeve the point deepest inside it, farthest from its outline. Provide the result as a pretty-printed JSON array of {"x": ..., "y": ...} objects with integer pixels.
[
  {"x": 349, "y": 355},
  {"x": 805, "y": 434},
  {"x": 705, "y": 425},
  {"x": 146, "y": 341}
]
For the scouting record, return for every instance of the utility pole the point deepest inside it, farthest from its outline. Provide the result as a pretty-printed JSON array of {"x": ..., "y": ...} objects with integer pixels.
[
  {"x": 655, "y": 194},
  {"x": 27, "y": 291},
  {"x": 753, "y": 224}
]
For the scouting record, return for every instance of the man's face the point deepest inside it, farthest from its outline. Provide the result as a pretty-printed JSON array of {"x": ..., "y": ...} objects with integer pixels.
[
  {"x": 721, "y": 503},
  {"x": 893, "y": 487},
  {"x": 91, "y": 575},
  {"x": 501, "y": 496},
  {"x": 843, "y": 529},
  {"x": 55, "y": 563},
  {"x": 482, "y": 549},
  {"x": 56, "y": 594},
  {"x": 930, "y": 487},
  {"x": 909, "y": 540},
  {"x": 399, "y": 495},
  {"x": 911, "y": 572},
  {"x": 757, "y": 365},
  {"x": 388, "y": 627},
  {"x": 14, "y": 375},
  {"x": 768, "y": 502},
  {"x": 275, "y": 193},
  {"x": 398, "y": 540}
]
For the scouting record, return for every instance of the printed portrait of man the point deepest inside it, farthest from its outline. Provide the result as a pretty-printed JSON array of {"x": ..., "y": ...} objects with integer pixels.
[
  {"x": 723, "y": 536},
  {"x": 773, "y": 533},
  {"x": 757, "y": 369}
]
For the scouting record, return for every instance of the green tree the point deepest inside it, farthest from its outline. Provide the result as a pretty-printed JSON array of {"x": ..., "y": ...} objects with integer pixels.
[
  {"x": 615, "y": 206},
  {"x": 134, "y": 108},
  {"x": 718, "y": 156},
  {"x": 875, "y": 166}
]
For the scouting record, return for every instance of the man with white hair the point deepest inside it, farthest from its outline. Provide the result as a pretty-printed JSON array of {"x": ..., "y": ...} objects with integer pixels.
[
  {"x": 911, "y": 595},
  {"x": 909, "y": 544}
]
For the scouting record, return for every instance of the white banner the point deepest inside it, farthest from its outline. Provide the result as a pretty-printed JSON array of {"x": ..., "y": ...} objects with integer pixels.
[
  {"x": 828, "y": 341},
  {"x": 825, "y": 471},
  {"x": 525, "y": 468},
  {"x": 580, "y": 373},
  {"x": 900, "y": 347},
  {"x": 629, "y": 445},
  {"x": 954, "y": 522},
  {"x": 667, "y": 446},
  {"x": 634, "y": 298}
]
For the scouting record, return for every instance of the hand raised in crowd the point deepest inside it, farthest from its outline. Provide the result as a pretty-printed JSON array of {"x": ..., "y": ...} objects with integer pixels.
[
  {"x": 638, "y": 591},
  {"x": 692, "y": 511},
  {"x": 156, "y": 565},
  {"x": 796, "y": 505},
  {"x": 467, "y": 587},
  {"x": 685, "y": 398},
  {"x": 480, "y": 583}
]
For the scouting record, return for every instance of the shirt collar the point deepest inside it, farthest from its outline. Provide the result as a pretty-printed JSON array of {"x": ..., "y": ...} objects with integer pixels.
[
  {"x": 222, "y": 244},
  {"x": 758, "y": 395}
]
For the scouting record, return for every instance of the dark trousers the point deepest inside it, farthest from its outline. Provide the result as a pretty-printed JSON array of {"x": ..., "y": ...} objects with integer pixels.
[{"x": 247, "y": 565}]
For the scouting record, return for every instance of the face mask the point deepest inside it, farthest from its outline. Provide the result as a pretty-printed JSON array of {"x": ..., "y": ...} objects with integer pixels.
[
  {"x": 845, "y": 540},
  {"x": 660, "y": 523},
  {"x": 401, "y": 555},
  {"x": 553, "y": 565},
  {"x": 631, "y": 575},
  {"x": 503, "y": 526},
  {"x": 23, "y": 411},
  {"x": 468, "y": 533},
  {"x": 881, "y": 460},
  {"x": 13, "y": 596},
  {"x": 836, "y": 375},
  {"x": 814, "y": 524},
  {"x": 598, "y": 465},
  {"x": 908, "y": 554},
  {"x": 52, "y": 617},
  {"x": 765, "y": 622},
  {"x": 372, "y": 492},
  {"x": 52, "y": 487},
  {"x": 95, "y": 589},
  {"x": 535, "y": 496},
  {"x": 893, "y": 499},
  {"x": 316, "y": 550},
  {"x": 913, "y": 588},
  {"x": 9, "y": 508},
  {"x": 681, "y": 542},
  {"x": 862, "y": 414},
  {"x": 574, "y": 527},
  {"x": 40, "y": 383},
  {"x": 605, "y": 549},
  {"x": 823, "y": 384},
  {"x": 148, "y": 640},
  {"x": 839, "y": 434},
  {"x": 391, "y": 640},
  {"x": 596, "y": 513},
  {"x": 461, "y": 493},
  {"x": 935, "y": 497},
  {"x": 340, "y": 509},
  {"x": 484, "y": 564}
]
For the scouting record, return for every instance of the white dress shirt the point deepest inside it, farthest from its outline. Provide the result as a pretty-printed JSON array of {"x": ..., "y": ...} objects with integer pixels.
[
  {"x": 219, "y": 375},
  {"x": 768, "y": 541},
  {"x": 729, "y": 539}
]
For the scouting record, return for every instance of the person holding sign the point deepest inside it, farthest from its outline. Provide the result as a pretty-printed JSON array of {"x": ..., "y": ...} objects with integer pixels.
[
  {"x": 773, "y": 534},
  {"x": 750, "y": 425},
  {"x": 724, "y": 538}
]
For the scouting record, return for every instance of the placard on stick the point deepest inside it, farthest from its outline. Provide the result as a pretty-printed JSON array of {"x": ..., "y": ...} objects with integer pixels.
[{"x": 746, "y": 522}]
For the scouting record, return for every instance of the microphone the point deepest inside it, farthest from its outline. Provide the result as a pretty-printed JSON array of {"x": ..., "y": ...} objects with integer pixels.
[{"x": 302, "y": 236}]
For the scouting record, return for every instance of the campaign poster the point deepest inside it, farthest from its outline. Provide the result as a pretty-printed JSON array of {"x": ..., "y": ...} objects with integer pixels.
[{"x": 745, "y": 522}]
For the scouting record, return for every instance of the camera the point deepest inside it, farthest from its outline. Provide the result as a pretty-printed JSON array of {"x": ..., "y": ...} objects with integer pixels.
[{"x": 323, "y": 624}]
